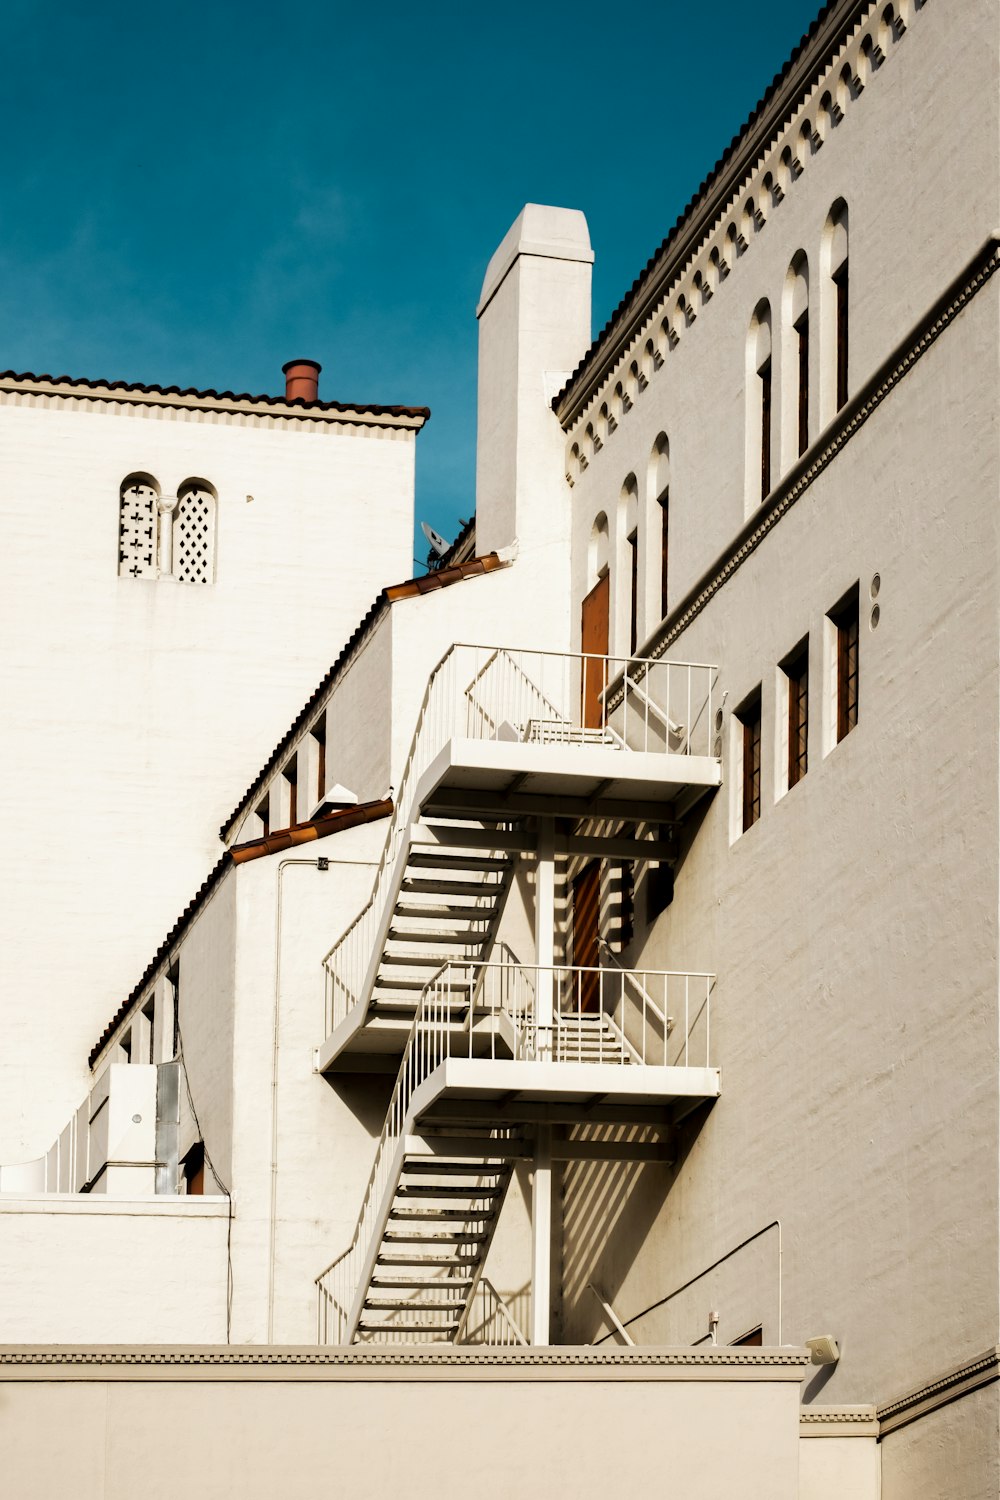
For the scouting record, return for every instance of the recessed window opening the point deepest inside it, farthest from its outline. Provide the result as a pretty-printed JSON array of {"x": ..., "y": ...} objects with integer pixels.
[
  {"x": 290, "y": 776},
  {"x": 137, "y": 521},
  {"x": 633, "y": 631},
  {"x": 627, "y": 609},
  {"x": 764, "y": 376},
  {"x": 318, "y": 733},
  {"x": 263, "y": 811},
  {"x": 750, "y": 725},
  {"x": 194, "y": 532},
  {"x": 796, "y": 670},
  {"x": 148, "y": 1019},
  {"x": 658, "y": 519},
  {"x": 172, "y": 996},
  {"x": 835, "y": 310},
  {"x": 840, "y": 281},
  {"x": 795, "y": 380},
  {"x": 759, "y": 430},
  {"x": 845, "y": 622},
  {"x": 194, "y": 1170}
]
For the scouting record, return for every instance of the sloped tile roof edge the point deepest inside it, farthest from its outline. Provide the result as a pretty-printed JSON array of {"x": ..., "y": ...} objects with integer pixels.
[
  {"x": 810, "y": 56},
  {"x": 313, "y": 828},
  {"x": 318, "y": 828},
  {"x": 412, "y": 588},
  {"x": 122, "y": 390}
]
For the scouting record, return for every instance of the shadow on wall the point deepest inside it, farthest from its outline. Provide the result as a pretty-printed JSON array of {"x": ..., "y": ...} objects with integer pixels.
[{"x": 608, "y": 1211}]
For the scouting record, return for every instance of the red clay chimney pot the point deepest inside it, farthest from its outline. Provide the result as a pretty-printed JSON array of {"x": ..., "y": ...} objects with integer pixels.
[{"x": 301, "y": 380}]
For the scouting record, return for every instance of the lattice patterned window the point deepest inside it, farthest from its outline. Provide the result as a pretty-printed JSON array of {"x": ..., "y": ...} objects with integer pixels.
[
  {"x": 194, "y": 533},
  {"x": 137, "y": 527}
]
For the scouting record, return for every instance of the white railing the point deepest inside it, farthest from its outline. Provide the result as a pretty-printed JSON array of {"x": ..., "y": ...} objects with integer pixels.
[
  {"x": 538, "y": 697},
  {"x": 488, "y": 1319},
  {"x": 490, "y": 1011}
]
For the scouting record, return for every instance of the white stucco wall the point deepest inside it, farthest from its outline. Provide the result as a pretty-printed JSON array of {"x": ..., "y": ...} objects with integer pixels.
[
  {"x": 83, "y": 1269},
  {"x": 142, "y": 708}
]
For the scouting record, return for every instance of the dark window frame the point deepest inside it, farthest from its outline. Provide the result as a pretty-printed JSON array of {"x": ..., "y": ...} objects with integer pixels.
[
  {"x": 750, "y": 722},
  {"x": 846, "y": 619},
  {"x": 796, "y": 670}
]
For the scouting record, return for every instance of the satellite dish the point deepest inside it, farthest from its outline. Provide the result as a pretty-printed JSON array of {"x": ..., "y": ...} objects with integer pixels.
[{"x": 438, "y": 543}]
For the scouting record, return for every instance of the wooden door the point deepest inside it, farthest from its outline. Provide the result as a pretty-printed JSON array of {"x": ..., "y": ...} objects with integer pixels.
[
  {"x": 586, "y": 928},
  {"x": 594, "y": 632}
]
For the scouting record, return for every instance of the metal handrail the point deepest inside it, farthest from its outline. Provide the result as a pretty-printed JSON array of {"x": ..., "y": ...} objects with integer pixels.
[
  {"x": 529, "y": 688},
  {"x": 496, "y": 1003}
]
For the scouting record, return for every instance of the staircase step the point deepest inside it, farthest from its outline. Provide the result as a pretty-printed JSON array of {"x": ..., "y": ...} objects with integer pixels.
[
  {"x": 447, "y": 859},
  {"x": 399, "y": 1327},
  {"x": 441, "y": 1166},
  {"x": 397, "y": 935},
  {"x": 402, "y": 1284},
  {"x": 448, "y": 913},
  {"x": 411, "y": 1260},
  {"x": 413, "y": 960},
  {"x": 439, "y": 1215},
  {"x": 438, "y": 1240},
  {"x": 445, "y": 887},
  {"x": 449, "y": 1308},
  {"x": 448, "y": 1190}
]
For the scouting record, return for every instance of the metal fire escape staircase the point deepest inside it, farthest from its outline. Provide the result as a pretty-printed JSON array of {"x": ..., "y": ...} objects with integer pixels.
[{"x": 481, "y": 1046}]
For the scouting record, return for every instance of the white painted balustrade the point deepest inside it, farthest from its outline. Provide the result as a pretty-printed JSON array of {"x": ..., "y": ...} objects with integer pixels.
[{"x": 532, "y": 697}]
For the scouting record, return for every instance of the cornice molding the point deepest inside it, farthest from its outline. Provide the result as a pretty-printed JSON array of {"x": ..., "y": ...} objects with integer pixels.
[
  {"x": 849, "y": 420},
  {"x": 711, "y": 202},
  {"x": 927, "y": 1398},
  {"x": 271, "y": 412},
  {"x": 399, "y": 1362},
  {"x": 838, "y": 1421}
]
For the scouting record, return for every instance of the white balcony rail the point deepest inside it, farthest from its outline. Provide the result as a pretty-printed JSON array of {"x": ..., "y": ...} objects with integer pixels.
[
  {"x": 489, "y": 1011},
  {"x": 538, "y": 697},
  {"x": 488, "y": 1320}
]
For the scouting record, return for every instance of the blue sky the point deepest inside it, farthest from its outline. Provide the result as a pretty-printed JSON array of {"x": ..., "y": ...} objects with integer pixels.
[{"x": 193, "y": 194}]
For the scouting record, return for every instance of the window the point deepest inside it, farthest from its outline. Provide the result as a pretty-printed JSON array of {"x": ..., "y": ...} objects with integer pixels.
[
  {"x": 263, "y": 811},
  {"x": 664, "y": 504},
  {"x": 835, "y": 312},
  {"x": 627, "y": 606},
  {"x": 795, "y": 364},
  {"x": 290, "y": 776},
  {"x": 658, "y": 500},
  {"x": 749, "y": 719},
  {"x": 759, "y": 423},
  {"x": 840, "y": 281},
  {"x": 194, "y": 532},
  {"x": 137, "y": 515},
  {"x": 797, "y": 673},
  {"x": 633, "y": 547},
  {"x": 194, "y": 1170},
  {"x": 764, "y": 376},
  {"x": 318, "y": 733},
  {"x": 845, "y": 623},
  {"x": 172, "y": 995}
]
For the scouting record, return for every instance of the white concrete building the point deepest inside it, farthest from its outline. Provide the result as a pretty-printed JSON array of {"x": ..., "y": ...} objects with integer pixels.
[{"x": 598, "y": 985}]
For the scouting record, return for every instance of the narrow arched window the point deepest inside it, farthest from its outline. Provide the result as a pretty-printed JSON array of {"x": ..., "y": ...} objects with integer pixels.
[
  {"x": 795, "y": 359},
  {"x": 137, "y": 517},
  {"x": 658, "y": 489},
  {"x": 628, "y": 518},
  {"x": 759, "y": 405},
  {"x": 836, "y": 314},
  {"x": 194, "y": 533}
]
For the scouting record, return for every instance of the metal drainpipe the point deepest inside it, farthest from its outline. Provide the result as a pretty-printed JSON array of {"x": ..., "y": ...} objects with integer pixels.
[{"x": 321, "y": 863}]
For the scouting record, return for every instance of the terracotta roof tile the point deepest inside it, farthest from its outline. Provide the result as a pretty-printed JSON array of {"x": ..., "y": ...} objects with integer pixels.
[
  {"x": 136, "y": 388},
  {"x": 312, "y": 828}
]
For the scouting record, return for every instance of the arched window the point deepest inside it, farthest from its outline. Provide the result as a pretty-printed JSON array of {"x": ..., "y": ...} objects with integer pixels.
[
  {"x": 795, "y": 360},
  {"x": 194, "y": 533},
  {"x": 628, "y": 531},
  {"x": 759, "y": 406},
  {"x": 658, "y": 510},
  {"x": 137, "y": 517},
  {"x": 835, "y": 312}
]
